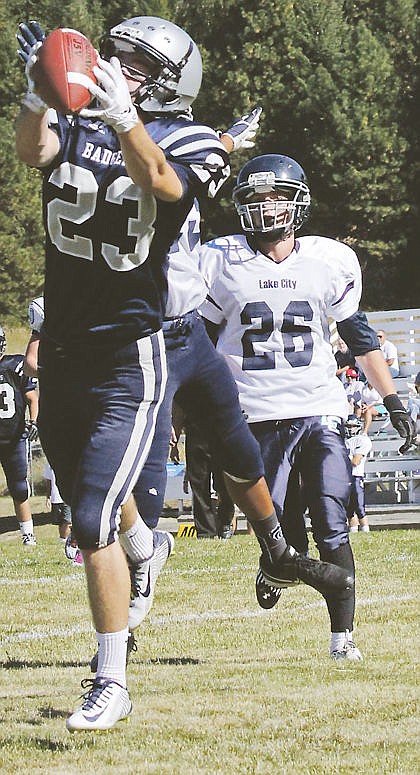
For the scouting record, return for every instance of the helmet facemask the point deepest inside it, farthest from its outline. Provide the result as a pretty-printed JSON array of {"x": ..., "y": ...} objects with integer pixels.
[
  {"x": 269, "y": 208},
  {"x": 353, "y": 426}
]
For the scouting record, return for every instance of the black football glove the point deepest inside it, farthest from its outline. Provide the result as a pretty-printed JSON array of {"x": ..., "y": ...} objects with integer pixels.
[
  {"x": 29, "y": 34},
  {"x": 401, "y": 420},
  {"x": 31, "y": 430},
  {"x": 30, "y": 38}
]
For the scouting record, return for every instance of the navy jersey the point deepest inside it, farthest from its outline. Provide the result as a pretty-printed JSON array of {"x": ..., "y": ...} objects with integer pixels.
[
  {"x": 13, "y": 387},
  {"x": 106, "y": 239}
]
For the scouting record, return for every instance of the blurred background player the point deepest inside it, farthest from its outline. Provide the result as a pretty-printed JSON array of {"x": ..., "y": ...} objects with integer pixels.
[
  {"x": 358, "y": 445},
  {"x": 60, "y": 510},
  {"x": 213, "y": 510},
  {"x": 17, "y": 392},
  {"x": 270, "y": 297}
]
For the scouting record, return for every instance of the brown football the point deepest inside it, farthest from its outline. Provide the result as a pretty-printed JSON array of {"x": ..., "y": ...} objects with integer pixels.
[{"x": 64, "y": 65}]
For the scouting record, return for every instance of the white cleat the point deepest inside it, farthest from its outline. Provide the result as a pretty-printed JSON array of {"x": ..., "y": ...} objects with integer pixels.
[
  {"x": 349, "y": 652},
  {"x": 28, "y": 539},
  {"x": 105, "y": 703},
  {"x": 144, "y": 575}
]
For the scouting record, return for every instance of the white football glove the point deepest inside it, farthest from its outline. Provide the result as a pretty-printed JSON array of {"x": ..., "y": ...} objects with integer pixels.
[
  {"x": 115, "y": 105},
  {"x": 30, "y": 38},
  {"x": 243, "y": 131},
  {"x": 31, "y": 430}
]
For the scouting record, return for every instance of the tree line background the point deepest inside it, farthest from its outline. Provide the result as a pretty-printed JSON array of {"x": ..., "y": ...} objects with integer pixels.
[{"x": 339, "y": 85}]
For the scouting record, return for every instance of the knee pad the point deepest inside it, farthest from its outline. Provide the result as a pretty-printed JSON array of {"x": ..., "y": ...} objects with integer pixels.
[
  {"x": 19, "y": 490},
  {"x": 87, "y": 534}
]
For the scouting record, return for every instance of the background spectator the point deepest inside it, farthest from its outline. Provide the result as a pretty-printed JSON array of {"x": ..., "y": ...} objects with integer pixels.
[
  {"x": 390, "y": 353},
  {"x": 353, "y": 388},
  {"x": 371, "y": 406},
  {"x": 344, "y": 359},
  {"x": 413, "y": 403}
]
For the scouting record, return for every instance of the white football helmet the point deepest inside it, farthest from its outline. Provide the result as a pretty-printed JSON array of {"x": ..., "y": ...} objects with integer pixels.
[
  {"x": 353, "y": 425},
  {"x": 36, "y": 314},
  {"x": 176, "y": 80}
]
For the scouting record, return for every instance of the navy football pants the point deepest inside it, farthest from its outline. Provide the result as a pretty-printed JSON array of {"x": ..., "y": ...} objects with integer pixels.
[
  {"x": 205, "y": 388},
  {"x": 96, "y": 421},
  {"x": 14, "y": 461}
]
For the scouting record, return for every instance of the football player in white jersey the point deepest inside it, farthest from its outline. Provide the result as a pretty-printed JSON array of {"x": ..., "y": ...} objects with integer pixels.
[
  {"x": 270, "y": 296},
  {"x": 358, "y": 446}
]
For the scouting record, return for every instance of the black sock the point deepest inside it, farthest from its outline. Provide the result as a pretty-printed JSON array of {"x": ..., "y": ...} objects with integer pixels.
[
  {"x": 270, "y": 537},
  {"x": 340, "y": 604}
]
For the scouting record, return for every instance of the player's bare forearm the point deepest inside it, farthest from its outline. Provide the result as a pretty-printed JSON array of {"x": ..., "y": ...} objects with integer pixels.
[
  {"x": 147, "y": 166},
  {"x": 377, "y": 372},
  {"x": 36, "y": 144}
]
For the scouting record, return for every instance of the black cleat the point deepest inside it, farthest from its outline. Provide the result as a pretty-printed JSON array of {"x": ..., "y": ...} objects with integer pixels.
[
  {"x": 267, "y": 595},
  {"x": 293, "y": 567},
  {"x": 131, "y": 646}
]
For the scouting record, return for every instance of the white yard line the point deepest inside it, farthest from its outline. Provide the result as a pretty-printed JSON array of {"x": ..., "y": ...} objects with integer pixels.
[{"x": 40, "y": 632}]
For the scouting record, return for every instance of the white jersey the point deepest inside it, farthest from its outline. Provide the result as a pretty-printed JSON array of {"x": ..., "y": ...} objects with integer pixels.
[
  {"x": 370, "y": 396},
  {"x": 186, "y": 286},
  {"x": 49, "y": 475},
  {"x": 359, "y": 445},
  {"x": 274, "y": 322},
  {"x": 354, "y": 390},
  {"x": 36, "y": 314}
]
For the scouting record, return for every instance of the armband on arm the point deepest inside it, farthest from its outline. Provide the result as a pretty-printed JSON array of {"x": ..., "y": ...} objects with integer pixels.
[{"x": 358, "y": 335}]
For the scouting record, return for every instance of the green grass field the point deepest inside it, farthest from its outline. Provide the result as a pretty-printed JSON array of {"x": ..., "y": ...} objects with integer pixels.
[{"x": 218, "y": 685}]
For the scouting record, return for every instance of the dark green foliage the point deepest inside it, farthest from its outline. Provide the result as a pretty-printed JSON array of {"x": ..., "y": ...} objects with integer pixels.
[{"x": 339, "y": 84}]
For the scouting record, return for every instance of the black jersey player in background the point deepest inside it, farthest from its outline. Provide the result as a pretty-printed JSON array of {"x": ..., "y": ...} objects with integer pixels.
[
  {"x": 115, "y": 197},
  {"x": 17, "y": 392}
]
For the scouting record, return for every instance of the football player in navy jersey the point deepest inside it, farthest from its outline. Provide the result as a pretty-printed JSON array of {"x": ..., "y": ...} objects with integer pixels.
[
  {"x": 270, "y": 296},
  {"x": 16, "y": 393},
  {"x": 115, "y": 198}
]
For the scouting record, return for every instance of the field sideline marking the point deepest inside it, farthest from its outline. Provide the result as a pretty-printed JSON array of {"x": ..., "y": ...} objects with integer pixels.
[{"x": 41, "y": 632}]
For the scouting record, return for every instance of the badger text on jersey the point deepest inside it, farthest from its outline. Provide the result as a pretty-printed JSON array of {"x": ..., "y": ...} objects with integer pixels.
[{"x": 102, "y": 155}]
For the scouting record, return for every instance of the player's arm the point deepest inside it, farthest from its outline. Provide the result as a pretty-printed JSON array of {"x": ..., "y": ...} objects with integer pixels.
[
  {"x": 145, "y": 162},
  {"x": 31, "y": 397},
  {"x": 147, "y": 166},
  {"x": 30, "y": 364},
  {"x": 363, "y": 343},
  {"x": 36, "y": 144},
  {"x": 242, "y": 132},
  {"x": 357, "y": 458}
]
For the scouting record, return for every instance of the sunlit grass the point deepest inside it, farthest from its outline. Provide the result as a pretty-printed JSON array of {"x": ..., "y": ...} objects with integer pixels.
[{"x": 218, "y": 685}]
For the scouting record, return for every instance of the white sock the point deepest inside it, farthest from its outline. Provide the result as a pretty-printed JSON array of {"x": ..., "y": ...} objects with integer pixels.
[
  {"x": 137, "y": 541},
  {"x": 27, "y": 528},
  {"x": 365, "y": 528},
  {"x": 112, "y": 655},
  {"x": 339, "y": 640}
]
